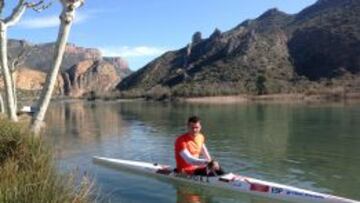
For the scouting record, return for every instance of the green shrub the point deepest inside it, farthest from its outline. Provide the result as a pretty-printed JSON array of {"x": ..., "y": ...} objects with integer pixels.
[{"x": 28, "y": 172}]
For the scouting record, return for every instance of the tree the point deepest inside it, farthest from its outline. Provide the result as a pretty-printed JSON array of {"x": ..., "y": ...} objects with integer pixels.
[
  {"x": 17, "y": 60},
  {"x": 260, "y": 85},
  {"x": 67, "y": 16},
  {"x": 5, "y": 23}
]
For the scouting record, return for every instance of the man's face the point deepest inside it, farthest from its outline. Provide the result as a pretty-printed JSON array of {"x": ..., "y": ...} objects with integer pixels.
[{"x": 194, "y": 128}]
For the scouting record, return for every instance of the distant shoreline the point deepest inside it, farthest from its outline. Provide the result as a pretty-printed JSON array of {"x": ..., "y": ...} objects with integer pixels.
[
  {"x": 277, "y": 98},
  {"x": 229, "y": 99}
]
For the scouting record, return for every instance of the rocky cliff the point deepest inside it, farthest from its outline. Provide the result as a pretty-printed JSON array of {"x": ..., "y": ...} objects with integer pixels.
[
  {"x": 38, "y": 56},
  {"x": 88, "y": 76},
  {"x": 83, "y": 70},
  {"x": 275, "y": 53}
]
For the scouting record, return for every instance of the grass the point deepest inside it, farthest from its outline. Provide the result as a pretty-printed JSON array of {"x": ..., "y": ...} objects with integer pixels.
[{"x": 28, "y": 172}]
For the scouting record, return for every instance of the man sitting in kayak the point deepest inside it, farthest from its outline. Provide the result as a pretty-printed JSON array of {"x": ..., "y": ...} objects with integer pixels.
[{"x": 189, "y": 147}]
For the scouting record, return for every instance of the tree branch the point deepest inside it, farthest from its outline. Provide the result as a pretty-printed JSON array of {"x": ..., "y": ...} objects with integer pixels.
[
  {"x": 16, "y": 13},
  {"x": 21, "y": 56},
  {"x": 2, "y": 5},
  {"x": 72, "y": 4},
  {"x": 39, "y": 6}
]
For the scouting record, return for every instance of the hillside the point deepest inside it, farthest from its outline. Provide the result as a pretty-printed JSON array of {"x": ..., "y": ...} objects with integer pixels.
[{"x": 315, "y": 50}]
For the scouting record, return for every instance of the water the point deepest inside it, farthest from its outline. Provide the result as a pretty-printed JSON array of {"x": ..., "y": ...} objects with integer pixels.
[{"x": 313, "y": 147}]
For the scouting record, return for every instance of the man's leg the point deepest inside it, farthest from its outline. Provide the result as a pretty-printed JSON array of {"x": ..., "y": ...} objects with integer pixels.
[
  {"x": 203, "y": 171},
  {"x": 200, "y": 171},
  {"x": 215, "y": 167}
]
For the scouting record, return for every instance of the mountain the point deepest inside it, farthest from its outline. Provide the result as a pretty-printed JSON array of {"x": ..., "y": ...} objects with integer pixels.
[
  {"x": 39, "y": 55},
  {"x": 83, "y": 70},
  {"x": 314, "y": 50}
]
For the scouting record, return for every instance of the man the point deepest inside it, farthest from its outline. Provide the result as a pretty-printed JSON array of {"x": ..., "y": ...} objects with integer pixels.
[{"x": 189, "y": 147}]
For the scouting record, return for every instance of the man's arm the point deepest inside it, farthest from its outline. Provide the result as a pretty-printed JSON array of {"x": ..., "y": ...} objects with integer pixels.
[
  {"x": 206, "y": 153},
  {"x": 185, "y": 154}
]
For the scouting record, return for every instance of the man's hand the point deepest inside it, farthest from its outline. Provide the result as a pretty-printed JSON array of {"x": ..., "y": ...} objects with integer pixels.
[{"x": 213, "y": 165}]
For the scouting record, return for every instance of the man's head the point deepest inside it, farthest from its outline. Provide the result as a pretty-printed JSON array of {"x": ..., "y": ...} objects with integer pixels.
[{"x": 194, "y": 125}]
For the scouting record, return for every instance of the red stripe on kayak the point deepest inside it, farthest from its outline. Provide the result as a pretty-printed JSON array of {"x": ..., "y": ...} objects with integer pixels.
[{"x": 259, "y": 187}]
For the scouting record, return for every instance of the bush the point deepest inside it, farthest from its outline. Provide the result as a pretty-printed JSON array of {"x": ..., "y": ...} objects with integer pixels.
[
  {"x": 28, "y": 172},
  {"x": 159, "y": 93}
]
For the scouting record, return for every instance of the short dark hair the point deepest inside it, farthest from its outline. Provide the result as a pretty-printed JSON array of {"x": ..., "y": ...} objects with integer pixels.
[{"x": 193, "y": 119}]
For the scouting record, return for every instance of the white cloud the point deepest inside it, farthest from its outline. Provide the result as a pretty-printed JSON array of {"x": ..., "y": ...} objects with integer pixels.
[
  {"x": 40, "y": 22},
  {"x": 127, "y": 52},
  {"x": 48, "y": 21}
]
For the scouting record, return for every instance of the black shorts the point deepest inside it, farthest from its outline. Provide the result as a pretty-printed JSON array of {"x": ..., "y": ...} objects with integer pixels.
[{"x": 203, "y": 172}]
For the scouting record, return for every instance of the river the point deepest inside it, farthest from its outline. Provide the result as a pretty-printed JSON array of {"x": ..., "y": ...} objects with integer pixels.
[{"x": 311, "y": 146}]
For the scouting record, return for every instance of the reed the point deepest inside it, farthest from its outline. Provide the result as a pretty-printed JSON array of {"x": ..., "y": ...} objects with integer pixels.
[{"x": 28, "y": 171}]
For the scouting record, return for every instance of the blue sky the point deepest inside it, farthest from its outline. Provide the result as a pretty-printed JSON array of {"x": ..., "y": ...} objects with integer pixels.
[{"x": 141, "y": 30}]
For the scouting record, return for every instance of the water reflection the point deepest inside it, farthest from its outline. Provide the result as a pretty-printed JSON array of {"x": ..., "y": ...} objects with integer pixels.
[
  {"x": 77, "y": 125},
  {"x": 184, "y": 195}
]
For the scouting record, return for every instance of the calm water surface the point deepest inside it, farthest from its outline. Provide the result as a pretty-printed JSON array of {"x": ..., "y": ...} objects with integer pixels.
[{"x": 314, "y": 147}]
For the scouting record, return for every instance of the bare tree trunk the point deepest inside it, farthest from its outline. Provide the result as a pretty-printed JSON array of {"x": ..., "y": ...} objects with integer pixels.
[
  {"x": 13, "y": 82},
  {"x": 11, "y": 111},
  {"x": 12, "y": 19},
  {"x": 2, "y": 107},
  {"x": 8, "y": 82},
  {"x": 16, "y": 63},
  {"x": 67, "y": 17}
]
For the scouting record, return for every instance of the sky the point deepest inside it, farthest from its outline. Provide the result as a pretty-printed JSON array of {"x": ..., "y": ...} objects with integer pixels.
[{"x": 141, "y": 30}]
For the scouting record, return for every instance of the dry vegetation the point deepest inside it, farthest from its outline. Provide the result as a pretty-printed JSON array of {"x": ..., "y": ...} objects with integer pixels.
[{"x": 28, "y": 172}]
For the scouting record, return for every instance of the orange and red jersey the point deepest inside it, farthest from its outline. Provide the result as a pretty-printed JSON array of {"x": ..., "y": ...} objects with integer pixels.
[{"x": 194, "y": 145}]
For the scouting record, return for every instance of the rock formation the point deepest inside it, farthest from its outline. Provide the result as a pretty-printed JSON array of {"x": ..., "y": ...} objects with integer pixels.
[
  {"x": 84, "y": 70},
  {"x": 89, "y": 76}
]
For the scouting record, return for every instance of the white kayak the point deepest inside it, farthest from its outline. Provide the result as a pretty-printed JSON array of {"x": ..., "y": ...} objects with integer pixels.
[{"x": 228, "y": 181}]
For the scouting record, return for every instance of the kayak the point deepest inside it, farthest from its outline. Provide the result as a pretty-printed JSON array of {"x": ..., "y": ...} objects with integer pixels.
[{"x": 229, "y": 181}]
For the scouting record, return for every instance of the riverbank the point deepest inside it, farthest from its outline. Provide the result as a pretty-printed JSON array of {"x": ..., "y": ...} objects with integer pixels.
[
  {"x": 317, "y": 97},
  {"x": 277, "y": 98},
  {"x": 28, "y": 171}
]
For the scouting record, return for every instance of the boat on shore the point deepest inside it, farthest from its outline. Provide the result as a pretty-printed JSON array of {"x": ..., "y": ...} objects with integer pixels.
[{"x": 229, "y": 181}]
